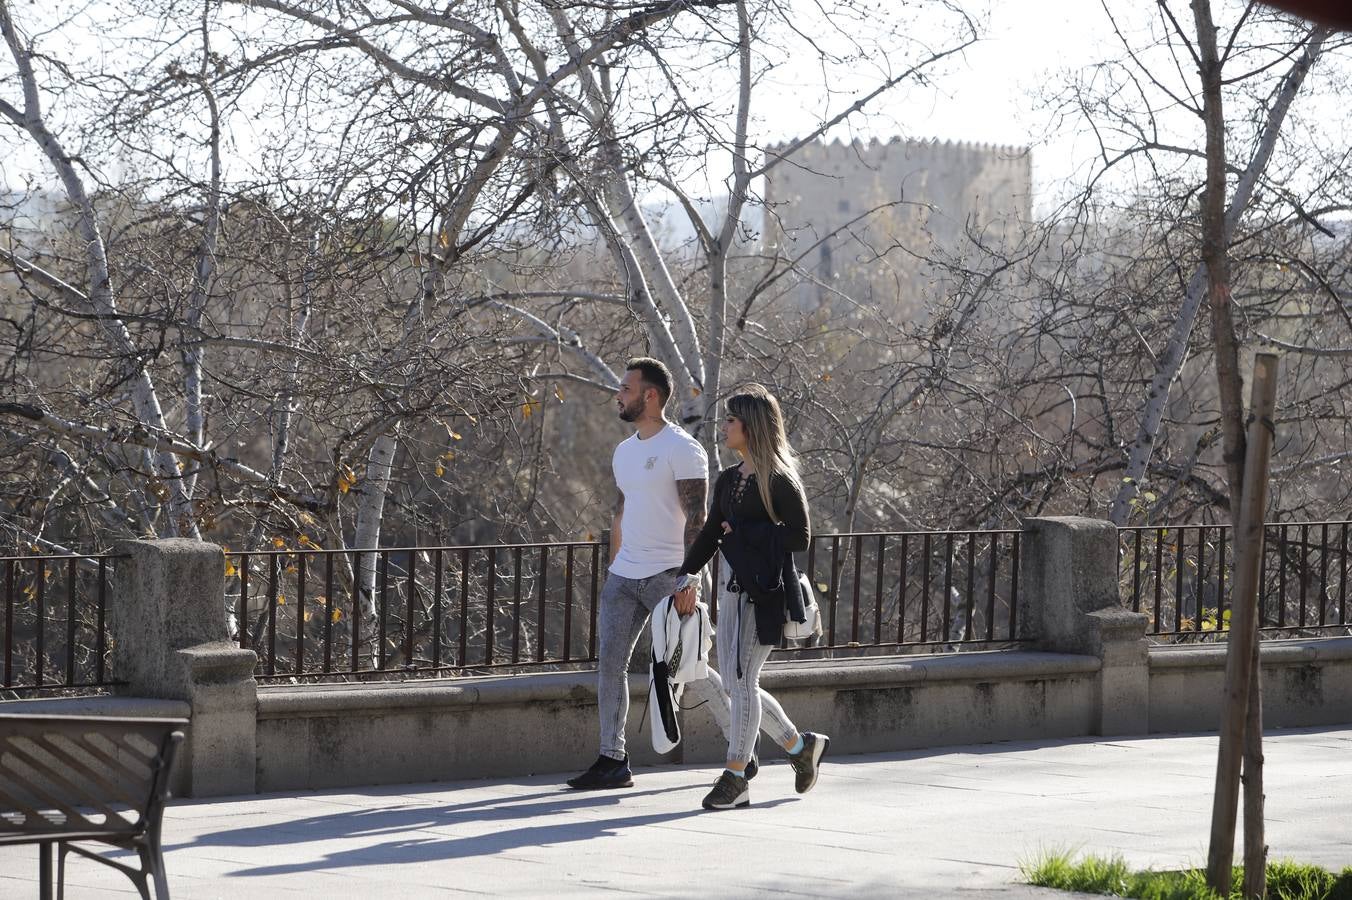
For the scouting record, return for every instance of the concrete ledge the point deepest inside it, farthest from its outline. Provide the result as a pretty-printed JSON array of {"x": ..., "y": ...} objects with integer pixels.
[
  {"x": 328, "y": 735},
  {"x": 1305, "y": 682},
  {"x": 132, "y": 707},
  {"x": 292, "y": 701},
  {"x": 1292, "y": 652}
]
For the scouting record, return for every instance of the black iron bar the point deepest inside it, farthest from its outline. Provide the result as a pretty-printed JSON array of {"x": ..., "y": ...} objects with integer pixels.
[
  {"x": 1342, "y": 576},
  {"x": 438, "y": 565},
  {"x": 969, "y": 609},
  {"x": 328, "y": 613},
  {"x": 1136, "y": 573},
  {"x": 878, "y": 591},
  {"x": 463, "y": 658},
  {"x": 516, "y": 605},
  {"x": 901, "y": 592},
  {"x": 382, "y": 613},
  {"x": 990, "y": 587},
  {"x": 1281, "y": 579},
  {"x": 925, "y": 552},
  {"x": 71, "y": 580},
  {"x": 100, "y": 634},
  {"x": 1304, "y": 569},
  {"x": 595, "y": 600},
  {"x": 1155, "y": 623},
  {"x": 1179, "y": 550},
  {"x": 568, "y": 604},
  {"x": 1200, "y": 584},
  {"x": 490, "y": 602},
  {"x": 834, "y": 593},
  {"x": 271, "y": 664},
  {"x": 242, "y": 615},
  {"x": 1220, "y": 584},
  {"x": 854, "y": 590},
  {"x": 1323, "y": 573},
  {"x": 9, "y": 622},
  {"x": 355, "y": 623},
  {"x": 1263, "y": 593},
  {"x": 540, "y": 630},
  {"x": 41, "y": 634},
  {"x": 947, "y": 634},
  {"x": 410, "y": 609},
  {"x": 1014, "y": 588},
  {"x": 300, "y": 613}
]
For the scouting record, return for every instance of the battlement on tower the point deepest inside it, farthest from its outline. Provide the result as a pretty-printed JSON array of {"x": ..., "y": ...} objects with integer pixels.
[{"x": 876, "y": 153}]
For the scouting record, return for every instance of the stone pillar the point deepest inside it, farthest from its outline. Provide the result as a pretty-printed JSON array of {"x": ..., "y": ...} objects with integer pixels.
[
  {"x": 170, "y": 639},
  {"x": 1069, "y": 603}
]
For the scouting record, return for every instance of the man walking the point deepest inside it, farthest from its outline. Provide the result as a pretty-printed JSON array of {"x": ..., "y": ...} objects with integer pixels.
[{"x": 661, "y": 474}]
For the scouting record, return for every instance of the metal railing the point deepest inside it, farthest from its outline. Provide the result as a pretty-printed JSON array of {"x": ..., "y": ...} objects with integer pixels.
[
  {"x": 918, "y": 590},
  {"x": 1178, "y": 576},
  {"x": 453, "y": 610},
  {"x": 54, "y": 629},
  {"x": 425, "y": 610}
]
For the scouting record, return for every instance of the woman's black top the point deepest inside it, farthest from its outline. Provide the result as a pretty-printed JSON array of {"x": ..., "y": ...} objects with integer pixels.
[{"x": 738, "y": 499}]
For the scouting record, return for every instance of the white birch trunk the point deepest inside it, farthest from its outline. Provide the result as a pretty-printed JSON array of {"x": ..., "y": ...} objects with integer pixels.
[
  {"x": 624, "y": 206},
  {"x": 370, "y": 513},
  {"x": 204, "y": 271},
  {"x": 145, "y": 399},
  {"x": 721, "y": 243},
  {"x": 1175, "y": 352}
]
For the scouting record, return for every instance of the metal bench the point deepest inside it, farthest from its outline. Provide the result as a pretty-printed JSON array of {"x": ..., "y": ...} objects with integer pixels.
[{"x": 87, "y": 778}]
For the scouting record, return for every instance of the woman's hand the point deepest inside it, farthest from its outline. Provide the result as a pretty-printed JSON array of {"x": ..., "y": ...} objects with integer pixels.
[
  {"x": 727, "y": 529},
  {"x": 685, "y": 599}
]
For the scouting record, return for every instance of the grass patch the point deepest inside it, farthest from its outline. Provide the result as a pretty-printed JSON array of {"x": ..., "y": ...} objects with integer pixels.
[{"x": 1286, "y": 880}]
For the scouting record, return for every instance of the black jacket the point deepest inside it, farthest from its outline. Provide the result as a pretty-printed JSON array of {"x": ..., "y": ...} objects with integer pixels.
[
  {"x": 765, "y": 572},
  {"x": 759, "y": 551}
]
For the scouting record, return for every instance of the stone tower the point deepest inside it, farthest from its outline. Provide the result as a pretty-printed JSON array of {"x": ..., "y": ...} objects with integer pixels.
[{"x": 899, "y": 203}]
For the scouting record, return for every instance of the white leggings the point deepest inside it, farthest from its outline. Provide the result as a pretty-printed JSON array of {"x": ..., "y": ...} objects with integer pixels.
[{"x": 739, "y": 705}]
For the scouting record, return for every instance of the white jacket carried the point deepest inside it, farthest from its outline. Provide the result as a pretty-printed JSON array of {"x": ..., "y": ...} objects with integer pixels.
[{"x": 680, "y": 655}]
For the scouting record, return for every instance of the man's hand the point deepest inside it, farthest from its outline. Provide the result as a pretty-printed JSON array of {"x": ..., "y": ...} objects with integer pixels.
[{"x": 685, "y": 599}]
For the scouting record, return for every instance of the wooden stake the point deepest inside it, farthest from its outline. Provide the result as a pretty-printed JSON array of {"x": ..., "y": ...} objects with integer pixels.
[
  {"x": 1255, "y": 839},
  {"x": 1241, "y": 654}
]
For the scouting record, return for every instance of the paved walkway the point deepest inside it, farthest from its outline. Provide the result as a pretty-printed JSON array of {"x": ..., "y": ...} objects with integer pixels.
[{"x": 953, "y": 822}]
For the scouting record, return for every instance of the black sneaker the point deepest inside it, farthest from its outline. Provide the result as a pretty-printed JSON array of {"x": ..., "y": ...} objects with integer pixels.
[
  {"x": 752, "y": 767},
  {"x": 605, "y": 773},
  {"x": 729, "y": 792},
  {"x": 805, "y": 761}
]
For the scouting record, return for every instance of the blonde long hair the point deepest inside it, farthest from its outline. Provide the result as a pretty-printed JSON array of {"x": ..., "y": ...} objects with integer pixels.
[{"x": 767, "y": 444}]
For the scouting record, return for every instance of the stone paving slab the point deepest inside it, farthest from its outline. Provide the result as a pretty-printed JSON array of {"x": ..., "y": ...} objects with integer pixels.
[{"x": 945, "y": 823}]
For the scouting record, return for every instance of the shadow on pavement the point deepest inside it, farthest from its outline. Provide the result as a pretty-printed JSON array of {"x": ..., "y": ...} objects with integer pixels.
[{"x": 418, "y": 845}]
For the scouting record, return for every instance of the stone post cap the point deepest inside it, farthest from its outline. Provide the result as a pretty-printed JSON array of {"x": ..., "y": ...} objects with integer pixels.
[
  {"x": 1073, "y": 523},
  {"x": 218, "y": 661},
  {"x": 168, "y": 545}
]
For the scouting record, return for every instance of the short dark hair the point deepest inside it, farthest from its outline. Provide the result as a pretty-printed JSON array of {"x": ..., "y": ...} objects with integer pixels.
[{"x": 654, "y": 374}]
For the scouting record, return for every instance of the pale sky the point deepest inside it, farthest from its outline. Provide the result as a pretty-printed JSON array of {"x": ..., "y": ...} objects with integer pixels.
[{"x": 987, "y": 96}]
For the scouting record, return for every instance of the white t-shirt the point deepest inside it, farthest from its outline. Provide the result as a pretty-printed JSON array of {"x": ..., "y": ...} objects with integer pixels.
[{"x": 652, "y": 528}]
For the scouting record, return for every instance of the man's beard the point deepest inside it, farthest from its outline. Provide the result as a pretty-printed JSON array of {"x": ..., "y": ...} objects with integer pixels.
[{"x": 632, "y": 412}]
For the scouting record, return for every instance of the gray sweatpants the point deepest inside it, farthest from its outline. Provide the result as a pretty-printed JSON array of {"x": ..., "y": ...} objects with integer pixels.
[{"x": 622, "y": 613}]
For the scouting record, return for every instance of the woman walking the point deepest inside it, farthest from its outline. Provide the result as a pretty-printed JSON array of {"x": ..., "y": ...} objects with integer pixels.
[{"x": 757, "y": 519}]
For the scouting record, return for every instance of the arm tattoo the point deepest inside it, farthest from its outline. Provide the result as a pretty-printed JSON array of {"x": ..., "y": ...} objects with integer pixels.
[
  {"x": 692, "y": 493},
  {"x": 619, "y": 502}
]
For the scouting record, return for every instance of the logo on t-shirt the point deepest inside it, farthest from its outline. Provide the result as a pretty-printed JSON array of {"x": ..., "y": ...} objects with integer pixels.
[{"x": 652, "y": 461}]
